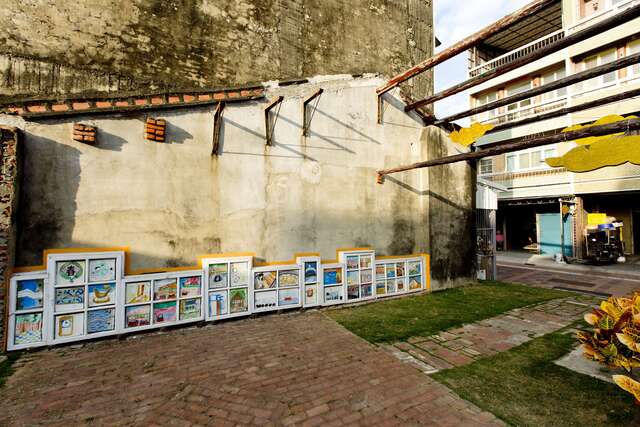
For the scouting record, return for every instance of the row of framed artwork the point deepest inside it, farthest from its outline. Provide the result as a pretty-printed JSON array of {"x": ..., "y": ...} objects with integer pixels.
[{"x": 85, "y": 295}]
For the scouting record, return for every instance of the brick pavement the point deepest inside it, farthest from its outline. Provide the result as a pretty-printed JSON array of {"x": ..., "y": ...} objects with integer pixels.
[
  {"x": 460, "y": 346},
  {"x": 290, "y": 369}
]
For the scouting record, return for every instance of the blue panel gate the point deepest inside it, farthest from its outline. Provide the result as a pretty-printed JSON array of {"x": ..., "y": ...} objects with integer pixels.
[{"x": 549, "y": 234}]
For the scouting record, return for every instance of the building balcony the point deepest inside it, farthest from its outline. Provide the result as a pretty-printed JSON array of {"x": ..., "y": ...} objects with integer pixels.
[
  {"x": 522, "y": 112},
  {"x": 517, "y": 53}
]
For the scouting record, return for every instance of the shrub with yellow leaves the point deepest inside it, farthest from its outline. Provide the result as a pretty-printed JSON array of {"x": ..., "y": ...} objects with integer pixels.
[{"x": 615, "y": 339}]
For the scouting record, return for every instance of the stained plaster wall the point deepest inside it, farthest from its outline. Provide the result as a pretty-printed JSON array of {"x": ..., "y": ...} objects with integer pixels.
[
  {"x": 62, "y": 46},
  {"x": 171, "y": 202}
]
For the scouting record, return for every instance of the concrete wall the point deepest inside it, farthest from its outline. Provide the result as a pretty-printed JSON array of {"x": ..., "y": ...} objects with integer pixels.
[
  {"x": 60, "y": 46},
  {"x": 170, "y": 202}
]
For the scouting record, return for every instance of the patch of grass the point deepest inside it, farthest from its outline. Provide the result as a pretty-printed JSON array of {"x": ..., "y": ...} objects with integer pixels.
[
  {"x": 423, "y": 315},
  {"x": 6, "y": 367},
  {"x": 524, "y": 387}
]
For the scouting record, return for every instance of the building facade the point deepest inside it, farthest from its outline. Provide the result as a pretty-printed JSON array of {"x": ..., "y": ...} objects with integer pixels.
[{"x": 536, "y": 191}]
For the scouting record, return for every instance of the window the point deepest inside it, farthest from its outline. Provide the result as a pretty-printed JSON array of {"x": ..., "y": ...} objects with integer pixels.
[
  {"x": 634, "y": 47},
  {"x": 530, "y": 159},
  {"x": 550, "y": 77},
  {"x": 486, "y": 166},
  {"x": 485, "y": 99},
  {"x": 593, "y": 61},
  {"x": 515, "y": 89},
  {"x": 591, "y": 7}
]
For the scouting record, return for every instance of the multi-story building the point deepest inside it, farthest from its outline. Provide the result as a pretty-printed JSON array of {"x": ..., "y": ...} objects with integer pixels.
[{"x": 534, "y": 190}]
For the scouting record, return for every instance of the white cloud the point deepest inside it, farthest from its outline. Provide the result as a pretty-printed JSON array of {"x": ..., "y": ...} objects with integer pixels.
[{"x": 455, "y": 20}]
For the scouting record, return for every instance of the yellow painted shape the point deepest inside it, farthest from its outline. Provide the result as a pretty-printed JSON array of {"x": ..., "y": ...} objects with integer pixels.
[
  {"x": 596, "y": 218},
  {"x": 612, "y": 118},
  {"x": 467, "y": 136},
  {"x": 612, "y": 151}
]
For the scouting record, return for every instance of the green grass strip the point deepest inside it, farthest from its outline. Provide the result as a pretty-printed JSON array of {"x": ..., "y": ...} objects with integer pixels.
[{"x": 428, "y": 314}]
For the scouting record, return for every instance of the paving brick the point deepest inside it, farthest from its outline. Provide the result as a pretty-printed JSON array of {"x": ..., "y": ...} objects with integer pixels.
[{"x": 298, "y": 369}]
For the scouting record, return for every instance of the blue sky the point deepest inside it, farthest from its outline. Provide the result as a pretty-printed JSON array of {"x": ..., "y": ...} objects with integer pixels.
[{"x": 453, "y": 21}]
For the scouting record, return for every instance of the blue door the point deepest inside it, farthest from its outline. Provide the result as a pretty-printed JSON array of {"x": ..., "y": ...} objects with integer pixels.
[{"x": 550, "y": 233}]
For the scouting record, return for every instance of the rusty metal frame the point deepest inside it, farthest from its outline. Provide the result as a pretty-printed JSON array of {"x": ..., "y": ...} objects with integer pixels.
[
  {"x": 268, "y": 126},
  {"x": 306, "y": 119},
  {"x": 217, "y": 123}
]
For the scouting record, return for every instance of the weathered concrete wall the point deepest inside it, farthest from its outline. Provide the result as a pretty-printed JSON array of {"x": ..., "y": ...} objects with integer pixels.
[
  {"x": 172, "y": 202},
  {"x": 10, "y": 144},
  {"x": 451, "y": 215},
  {"x": 61, "y": 46}
]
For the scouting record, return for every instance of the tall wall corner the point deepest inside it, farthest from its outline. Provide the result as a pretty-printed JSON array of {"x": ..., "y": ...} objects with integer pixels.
[{"x": 10, "y": 139}]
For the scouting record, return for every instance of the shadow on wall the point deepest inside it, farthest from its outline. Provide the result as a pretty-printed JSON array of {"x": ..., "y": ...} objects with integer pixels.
[{"x": 46, "y": 214}]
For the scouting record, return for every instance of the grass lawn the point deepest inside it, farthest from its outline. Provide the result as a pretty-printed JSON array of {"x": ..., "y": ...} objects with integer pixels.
[
  {"x": 524, "y": 387},
  {"x": 427, "y": 314}
]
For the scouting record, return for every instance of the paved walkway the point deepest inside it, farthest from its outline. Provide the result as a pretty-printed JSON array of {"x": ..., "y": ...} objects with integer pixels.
[
  {"x": 459, "y": 346},
  {"x": 300, "y": 368},
  {"x": 596, "y": 282}
]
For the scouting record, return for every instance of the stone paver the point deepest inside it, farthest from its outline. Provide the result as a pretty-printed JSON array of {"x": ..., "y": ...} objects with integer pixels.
[
  {"x": 460, "y": 346},
  {"x": 292, "y": 369}
]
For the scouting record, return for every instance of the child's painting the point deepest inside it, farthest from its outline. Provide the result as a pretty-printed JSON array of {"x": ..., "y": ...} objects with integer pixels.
[
  {"x": 380, "y": 272},
  {"x": 352, "y": 262},
  {"x": 400, "y": 269},
  {"x": 366, "y": 276},
  {"x": 28, "y": 329},
  {"x": 353, "y": 277},
  {"x": 391, "y": 286},
  {"x": 265, "y": 300},
  {"x": 102, "y": 270},
  {"x": 415, "y": 283},
  {"x": 238, "y": 301},
  {"x": 29, "y": 294},
  {"x": 218, "y": 303},
  {"x": 414, "y": 267},
  {"x": 239, "y": 274},
  {"x": 69, "y": 272},
  {"x": 164, "y": 312},
  {"x": 101, "y": 320},
  {"x": 102, "y": 294},
  {"x": 381, "y": 288},
  {"x": 288, "y": 297},
  {"x": 310, "y": 272},
  {"x": 366, "y": 290},
  {"x": 365, "y": 261},
  {"x": 165, "y": 289},
  {"x": 288, "y": 278},
  {"x": 264, "y": 280},
  {"x": 189, "y": 308},
  {"x": 353, "y": 292},
  {"x": 391, "y": 270},
  {"x": 137, "y": 292},
  {"x": 400, "y": 285},
  {"x": 69, "y": 299},
  {"x": 190, "y": 286},
  {"x": 332, "y": 276},
  {"x": 333, "y": 294},
  {"x": 69, "y": 325},
  {"x": 310, "y": 295},
  {"x": 218, "y": 276},
  {"x": 137, "y": 315}
]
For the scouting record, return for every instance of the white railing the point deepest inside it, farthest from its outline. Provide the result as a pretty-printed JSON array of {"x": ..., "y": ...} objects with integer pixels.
[
  {"x": 521, "y": 113},
  {"x": 517, "y": 53}
]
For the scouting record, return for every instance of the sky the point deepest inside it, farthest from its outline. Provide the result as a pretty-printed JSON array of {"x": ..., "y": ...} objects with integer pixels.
[{"x": 453, "y": 22}]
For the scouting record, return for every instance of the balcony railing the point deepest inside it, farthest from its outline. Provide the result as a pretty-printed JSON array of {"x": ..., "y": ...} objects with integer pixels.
[
  {"x": 517, "y": 53},
  {"x": 521, "y": 113}
]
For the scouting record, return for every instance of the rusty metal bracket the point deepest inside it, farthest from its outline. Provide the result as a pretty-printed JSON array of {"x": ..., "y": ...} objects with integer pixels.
[
  {"x": 379, "y": 105},
  {"x": 306, "y": 118},
  {"x": 268, "y": 125},
  {"x": 217, "y": 123}
]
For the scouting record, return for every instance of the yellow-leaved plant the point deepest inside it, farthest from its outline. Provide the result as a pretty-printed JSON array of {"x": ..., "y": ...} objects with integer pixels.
[{"x": 615, "y": 339}]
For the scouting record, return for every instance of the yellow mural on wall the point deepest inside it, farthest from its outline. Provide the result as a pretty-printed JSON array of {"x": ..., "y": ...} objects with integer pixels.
[
  {"x": 467, "y": 136},
  {"x": 599, "y": 151}
]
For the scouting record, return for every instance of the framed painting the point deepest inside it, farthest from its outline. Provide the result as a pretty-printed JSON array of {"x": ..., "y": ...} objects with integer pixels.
[
  {"x": 414, "y": 267},
  {"x": 415, "y": 283},
  {"x": 310, "y": 272},
  {"x": 400, "y": 269},
  {"x": 353, "y": 277},
  {"x": 69, "y": 299},
  {"x": 288, "y": 297},
  {"x": 69, "y": 325},
  {"x": 400, "y": 285},
  {"x": 164, "y": 312},
  {"x": 238, "y": 300},
  {"x": 381, "y": 288},
  {"x": 218, "y": 275},
  {"x": 102, "y": 270},
  {"x": 352, "y": 262},
  {"x": 365, "y": 261},
  {"x": 29, "y": 294},
  {"x": 288, "y": 278},
  {"x": 333, "y": 294},
  {"x": 101, "y": 320},
  {"x": 28, "y": 329},
  {"x": 353, "y": 292},
  {"x": 102, "y": 294},
  {"x": 239, "y": 274},
  {"x": 137, "y": 315},
  {"x": 264, "y": 280},
  {"x": 332, "y": 276},
  {"x": 190, "y": 308},
  {"x": 70, "y": 272},
  {"x": 265, "y": 300},
  {"x": 137, "y": 292},
  {"x": 310, "y": 295},
  {"x": 366, "y": 290},
  {"x": 218, "y": 303},
  {"x": 366, "y": 276},
  {"x": 380, "y": 272},
  {"x": 165, "y": 289},
  {"x": 391, "y": 270},
  {"x": 190, "y": 286}
]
